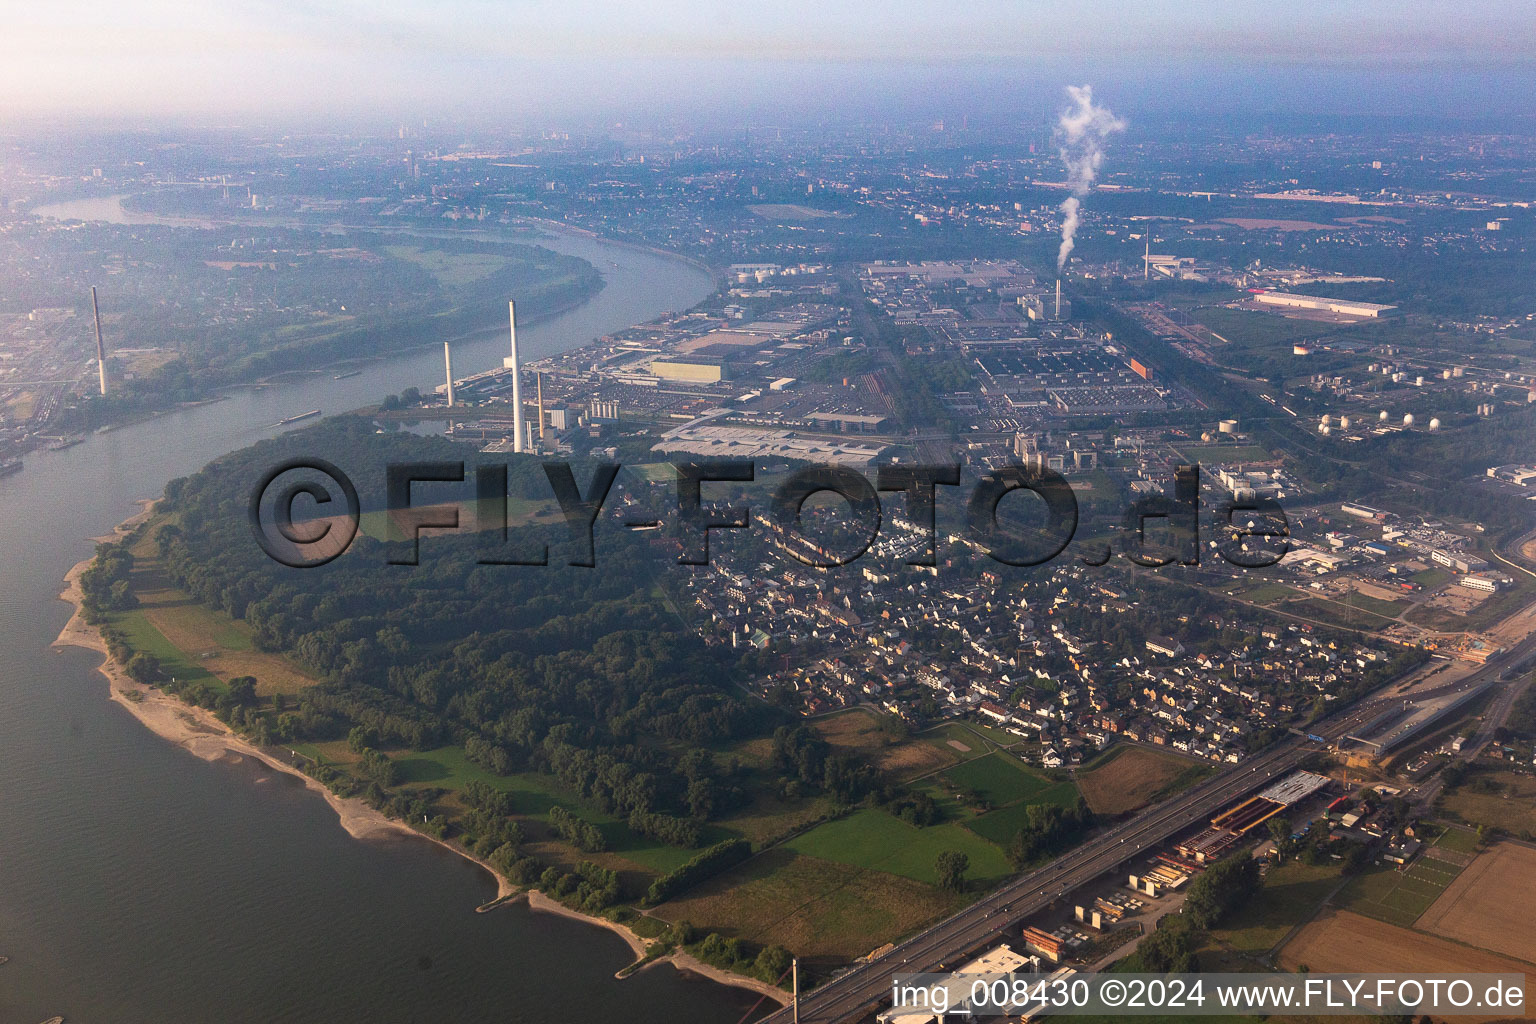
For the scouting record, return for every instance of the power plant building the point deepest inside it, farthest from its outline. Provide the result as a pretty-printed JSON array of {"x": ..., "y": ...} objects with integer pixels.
[
  {"x": 1343, "y": 307},
  {"x": 695, "y": 371}
]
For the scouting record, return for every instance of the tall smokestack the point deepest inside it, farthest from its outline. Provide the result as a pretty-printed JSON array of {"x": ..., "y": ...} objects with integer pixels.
[
  {"x": 541, "y": 407},
  {"x": 1058, "y": 298},
  {"x": 519, "y": 433},
  {"x": 101, "y": 352},
  {"x": 448, "y": 371},
  {"x": 1146, "y": 262}
]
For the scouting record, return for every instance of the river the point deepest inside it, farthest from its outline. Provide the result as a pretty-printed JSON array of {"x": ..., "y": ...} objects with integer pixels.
[{"x": 140, "y": 884}]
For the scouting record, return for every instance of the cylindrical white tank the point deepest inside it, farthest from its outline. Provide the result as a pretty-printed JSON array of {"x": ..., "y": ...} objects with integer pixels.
[
  {"x": 1434, "y": 424},
  {"x": 1383, "y": 416},
  {"x": 1325, "y": 430},
  {"x": 1327, "y": 420},
  {"x": 1344, "y": 422},
  {"x": 1408, "y": 419}
]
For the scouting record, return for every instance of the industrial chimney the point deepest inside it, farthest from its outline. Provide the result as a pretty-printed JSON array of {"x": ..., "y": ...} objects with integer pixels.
[
  {"x": 101, "y": 352},
  {"x": 448, "y": 371},
  {"x": 541, "y": 409},
  {"x": 1058, "y": 298},
  {"x": 518, "y": 432}
]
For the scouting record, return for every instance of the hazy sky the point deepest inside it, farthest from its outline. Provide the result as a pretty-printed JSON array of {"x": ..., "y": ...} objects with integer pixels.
[{"x": 239, "y": 56}]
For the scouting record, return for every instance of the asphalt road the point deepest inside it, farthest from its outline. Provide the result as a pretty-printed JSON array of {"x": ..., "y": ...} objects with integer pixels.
[{"x": 861, "y": 989}]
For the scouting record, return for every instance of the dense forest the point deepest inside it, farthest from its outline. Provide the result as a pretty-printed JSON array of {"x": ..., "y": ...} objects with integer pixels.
[{"x": 580, "y": 673}]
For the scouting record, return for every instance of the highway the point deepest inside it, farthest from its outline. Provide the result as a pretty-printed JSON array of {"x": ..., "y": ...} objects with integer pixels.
[{"x": 859, "y": 991}]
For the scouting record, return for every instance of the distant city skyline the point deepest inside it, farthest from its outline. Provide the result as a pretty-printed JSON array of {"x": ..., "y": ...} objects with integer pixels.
[{"x": 158, "y": 57}]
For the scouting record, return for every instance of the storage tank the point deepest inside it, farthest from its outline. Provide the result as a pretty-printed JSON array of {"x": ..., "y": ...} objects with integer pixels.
[
  {"x": 1383, "y": 416},
  {"x": 1327, "y": 420},
  {"x": 1344, "y": 422},
  {"x": 1325, "y": 430},
  {"x": 1408, "y": 419},
  {"x": 1434, "y": 423},
  {"x": 1227, "y": 427}
]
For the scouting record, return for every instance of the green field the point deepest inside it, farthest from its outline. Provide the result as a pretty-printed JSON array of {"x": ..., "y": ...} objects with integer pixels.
[
  {"x": 534, "y": 795},
  {"x": 974, "y": 735},
  {"x": 1429, "y": 579},
  {"x": 1401, "y": 897},
  {"x": 1000, "y": 825},
  {"x": 1352, "y": 617},
  {"x": 998, "y": 779},
  {"x": 1248, "y": 328},
  {"x": 1458, "y": 840},
  {"x": 1390, "y": 609},
  {"x": 1292, "y": 894},
  {"x": 820, "y": 909},
  {"x": 1007, "y": 786},
  {"x": 875, "y": 839},
  {"x": 143, "y": 636},
  {"x": 1267, "y": 593},
  {"x": 452, "y": 270}
]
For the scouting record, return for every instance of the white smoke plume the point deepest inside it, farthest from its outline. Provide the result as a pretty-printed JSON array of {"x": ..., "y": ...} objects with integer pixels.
[{"x": 1082, "y": 129}]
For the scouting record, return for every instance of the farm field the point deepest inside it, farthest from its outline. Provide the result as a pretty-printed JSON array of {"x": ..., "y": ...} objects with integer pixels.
[
  {"x": 767, "y": 817},
  {"x": 1510, "y": 805},
  {"x": 818, "y": 908},
  {"x": 1333, "y": 611},
  {"x": 144, "y": 636},
  {"x": 874, "y": 839},
  {"x": 864, "y": 731},
  {"x": 194, "y": 643},
  {"x": 1132, "y": 777},
  {"x": 1339, "y": 941},
  {"x": 1291, "y": 894},
  {"x": 1000, "y": 825},
  {"x": 452, "y": 270},
  {"x": 1253, "y": 329},
  {"x": 1267, "y": 593},
  {"x": 999, "y": 780},
  {"x": 1399, "y": 897},
  {"x": 990, "y": 796},
  {"x": 1492, "y": 904}
]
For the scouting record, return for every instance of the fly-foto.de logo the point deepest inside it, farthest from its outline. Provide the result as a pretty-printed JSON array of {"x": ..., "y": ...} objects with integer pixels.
[{"x": 306, "y": 512}]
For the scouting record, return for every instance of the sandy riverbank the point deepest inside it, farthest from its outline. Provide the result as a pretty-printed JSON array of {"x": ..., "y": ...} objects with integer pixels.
[
  {"x": 693, "y": 965},
  {"x": 199, "y": 732},
  {"x": 682, "y": 961},
  {"x": 545, "y": 904}
]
